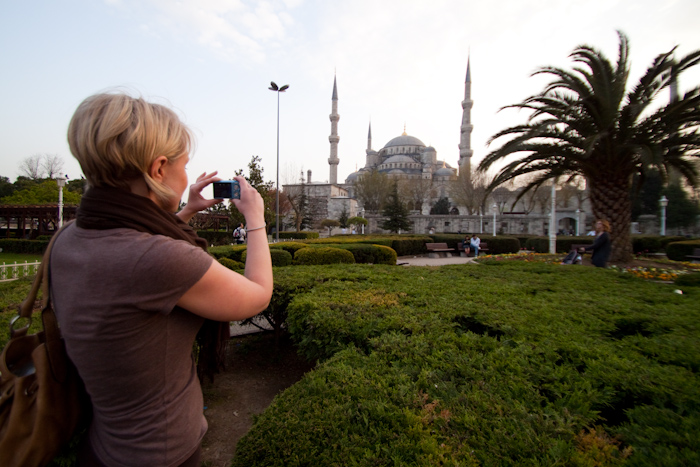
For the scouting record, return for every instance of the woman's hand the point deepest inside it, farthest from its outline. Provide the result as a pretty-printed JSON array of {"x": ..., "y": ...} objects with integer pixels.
[
  {"x": 195, "y": 201},
  {"x": 251, "y": 204}
]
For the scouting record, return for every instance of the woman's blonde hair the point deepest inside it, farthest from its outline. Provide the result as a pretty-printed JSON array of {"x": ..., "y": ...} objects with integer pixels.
[{"x": 116, "y": 138}]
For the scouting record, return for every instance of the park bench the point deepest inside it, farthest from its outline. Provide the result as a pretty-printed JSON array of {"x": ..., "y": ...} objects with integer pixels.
[
  {"x": 434, "y": 250},
  {"x": 483, "y": 248},
  {"x": 695, "y": 257},
  {"x": 576, "y": 246}
]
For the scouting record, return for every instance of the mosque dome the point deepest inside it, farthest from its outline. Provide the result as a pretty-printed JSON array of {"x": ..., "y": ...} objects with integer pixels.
[
  {"x": 404, "y": 140},
  {"x": 352, "y": 177},
  {"x": 399, "y": 158}
]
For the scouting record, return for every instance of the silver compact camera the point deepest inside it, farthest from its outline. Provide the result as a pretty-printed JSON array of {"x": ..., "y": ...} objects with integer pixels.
[{"x": 227, "y": 189}]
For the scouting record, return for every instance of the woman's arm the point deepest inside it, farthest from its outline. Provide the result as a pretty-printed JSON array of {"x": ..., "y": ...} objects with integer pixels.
[{"x": 224, "y": 295}]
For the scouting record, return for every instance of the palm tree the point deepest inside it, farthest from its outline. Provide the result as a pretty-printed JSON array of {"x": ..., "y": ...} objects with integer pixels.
[{"x": 586, "y": 123}]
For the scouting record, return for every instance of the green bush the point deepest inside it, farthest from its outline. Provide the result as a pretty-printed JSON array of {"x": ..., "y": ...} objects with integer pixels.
[
  {"x": 323, "y": 255},
  {"x": 688, "y": 280},
  {"x": 410, "y": 246},
  {"x": 234, "y": 252},
  {"x": 677, "y": 251},
  {"x": 298, "y": 235},
  {"x": 280, "y": 257},
  {"x": 652, "y": 243},
  {"x": 216, "y": 237},
  {"x": 370, "y": 254},
  {"x": 482, "y": 365},
  {"x": 231, "y": 264},
  {"x": 290, "y": 247},
  {"x": 497, "y": 245},
  {"x": 563, "y": 245},
  {"x": 34, "y": 247}
]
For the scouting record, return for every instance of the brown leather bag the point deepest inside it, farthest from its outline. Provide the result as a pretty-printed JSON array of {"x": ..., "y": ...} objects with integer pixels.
[{"x": 42, "y": 398}]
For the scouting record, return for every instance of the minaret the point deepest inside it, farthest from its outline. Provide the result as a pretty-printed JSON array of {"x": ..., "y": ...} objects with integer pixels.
[
  {"x": 369, "y": 139},
  {"x": 465, "y": 145},
  {"x": 334, "y": 138}
]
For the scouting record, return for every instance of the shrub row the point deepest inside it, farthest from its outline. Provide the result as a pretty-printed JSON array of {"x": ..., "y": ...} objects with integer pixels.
[
  {"x": 34, "y": 247},
  {"x": 216, "y": 237},
  {"x": 515, "y": 364},
  {"x": 497, "y": 245},
  {"x": 677, "y": 251},
  {"x": 286, "y": 253},
  {"x": 563, "y": 245},
  {"x": 640, "y": 243},
  {"x": 298, "y": 235}
]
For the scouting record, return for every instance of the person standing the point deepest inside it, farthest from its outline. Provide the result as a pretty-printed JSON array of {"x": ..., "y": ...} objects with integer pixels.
[
  {"x": 239, "y": 234},
  {"x": 474, "y": 243},
  {"x": 602, "y": 246},
  {"x": 133, "y": 285}
]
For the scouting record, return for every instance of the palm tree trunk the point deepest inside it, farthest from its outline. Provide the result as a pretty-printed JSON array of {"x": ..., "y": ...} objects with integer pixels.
[{"x": 610, "y": 200}]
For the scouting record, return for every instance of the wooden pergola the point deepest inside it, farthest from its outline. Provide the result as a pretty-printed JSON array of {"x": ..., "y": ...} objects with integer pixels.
[{"x": 31, "y": 221}]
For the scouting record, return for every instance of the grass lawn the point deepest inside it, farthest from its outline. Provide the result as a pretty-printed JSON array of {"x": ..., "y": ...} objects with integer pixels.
[{"x": 9, "y": 258}]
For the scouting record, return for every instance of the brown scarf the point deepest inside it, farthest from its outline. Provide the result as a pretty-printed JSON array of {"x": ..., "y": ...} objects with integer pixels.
[{"x": 103, "y": 208}]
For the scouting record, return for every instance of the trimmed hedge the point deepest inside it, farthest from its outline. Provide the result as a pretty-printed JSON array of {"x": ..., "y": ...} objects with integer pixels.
[
  {"x": 278, "y": 256},
  {"x": 298, "y": 235},
  {"x": 497, "y": 245},
  {"x": 34, "y": 247},
  {"x": 677, "y": 251},
  {"x": 216, "y": 237},
  {"x": 234, "y": 252},
  {"x": 231, "y": 264},
  {"x": 323, "y": 255},
  {"x": 563, "y": 245},
  {"x": 520, "y": 364},
  {"x": 290, "y": 247},
  {"x": 652, "y": 243}
]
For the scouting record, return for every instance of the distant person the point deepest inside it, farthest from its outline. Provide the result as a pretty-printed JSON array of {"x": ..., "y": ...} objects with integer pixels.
[
  {"x": 465, "y": 245},
  {"x": 432, "y": 230},
  {"x": 601, "y": 247},
  {"x": 574, "y": 257},
  {"x": 474, "y": 243},
  {"x": 239, "y": 234}
]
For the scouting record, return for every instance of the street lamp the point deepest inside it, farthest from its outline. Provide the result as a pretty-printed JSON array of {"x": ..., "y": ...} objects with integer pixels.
[
  {"x": 578, "y": 222},
  {"x": 362, "y": 215},
  {"x": 495, "y": 208},
  {"x": 481, "y": 222},
  {"x": 278, "y": 90},
  {"x": 663, "y": 202},
  {"x": 61, "y": 182}
]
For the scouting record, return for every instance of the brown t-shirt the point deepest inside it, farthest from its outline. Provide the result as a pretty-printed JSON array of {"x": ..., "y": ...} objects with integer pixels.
[{"x": 115, "y": 293}]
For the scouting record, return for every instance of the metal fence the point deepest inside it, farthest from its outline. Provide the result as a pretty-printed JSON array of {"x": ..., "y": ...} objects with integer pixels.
[{"x": 10, "y": 272}]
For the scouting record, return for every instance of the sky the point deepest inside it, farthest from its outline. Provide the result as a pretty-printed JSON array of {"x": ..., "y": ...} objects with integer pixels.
[{"x": 398, "y": 64}]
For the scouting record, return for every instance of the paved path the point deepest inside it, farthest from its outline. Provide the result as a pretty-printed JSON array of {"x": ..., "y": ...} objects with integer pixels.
[{"x": 427, "y": 261}]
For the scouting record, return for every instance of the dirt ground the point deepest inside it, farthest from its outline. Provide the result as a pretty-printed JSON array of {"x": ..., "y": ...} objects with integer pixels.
[{"x": 256, "y": 372}]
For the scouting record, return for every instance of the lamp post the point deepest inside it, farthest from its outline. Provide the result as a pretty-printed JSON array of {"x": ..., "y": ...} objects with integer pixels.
[
  {"x": 481, "y": 222},
  {"x": 553, "y": 225},
  {"x": 362, "y": 215},
  {"x": 278, "y": 90},
  {"x": 61, "y": 182},
  {"x": 495, "y": 208},
  {"x": 578, "y": 222},
  {"x": 663, "y": 202}
]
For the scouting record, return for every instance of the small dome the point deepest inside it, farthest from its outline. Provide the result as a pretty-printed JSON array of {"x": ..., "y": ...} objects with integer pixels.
[
  {"x": 444, "y": 172},
  {"x": 404, "y": 140}
]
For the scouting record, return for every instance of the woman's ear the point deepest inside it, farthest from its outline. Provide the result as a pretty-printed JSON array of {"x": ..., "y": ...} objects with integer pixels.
[{"x": 157, "y": 170}]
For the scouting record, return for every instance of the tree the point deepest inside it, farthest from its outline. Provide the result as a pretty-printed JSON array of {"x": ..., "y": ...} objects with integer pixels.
[
  {"x": 343, "y": 218},
  {"x": 256, "y": 180},
  {"x": 45, "y": 192},
  {"x": 586, "y": 123},
  {"x": 416, "y": 191},
  {"x": 681, "y": 211},
  {"x": 372, "y": 189},
  {"x": 396, "y": 213},
  {"x": 357, "y": 221},
  {"x": 441, "y": 206},
  {"x": 469, "y": 190},
  {"x": 6, "y": 187},
  {"x": 31, "y": 167},
  {"x": 329, "y": 224},
  {"x": 52, "y": 165},
  {"x": 298, "y": 200}
]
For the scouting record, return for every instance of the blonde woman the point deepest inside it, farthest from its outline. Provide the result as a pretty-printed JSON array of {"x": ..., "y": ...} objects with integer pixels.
[{"x": 133, "y": 285}]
